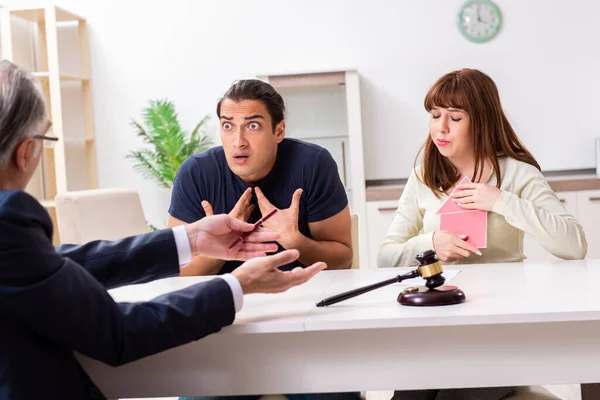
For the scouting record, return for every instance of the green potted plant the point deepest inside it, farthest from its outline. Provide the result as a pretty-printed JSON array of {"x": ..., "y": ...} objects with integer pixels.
[{"x": 169, "y": 144}]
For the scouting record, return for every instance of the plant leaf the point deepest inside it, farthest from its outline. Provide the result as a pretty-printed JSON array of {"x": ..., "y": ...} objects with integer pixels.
[{"x": 169, "y": 145}]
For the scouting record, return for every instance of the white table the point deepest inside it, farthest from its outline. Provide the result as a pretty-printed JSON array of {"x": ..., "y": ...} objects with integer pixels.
[{"x": 522, "y": 324}]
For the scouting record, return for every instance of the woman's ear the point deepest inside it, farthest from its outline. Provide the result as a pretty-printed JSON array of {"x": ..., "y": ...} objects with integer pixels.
[{"x": 280, "y": 131}]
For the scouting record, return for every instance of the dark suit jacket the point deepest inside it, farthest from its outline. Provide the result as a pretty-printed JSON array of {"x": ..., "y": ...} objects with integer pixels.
[{"x": 54, "y": 301}]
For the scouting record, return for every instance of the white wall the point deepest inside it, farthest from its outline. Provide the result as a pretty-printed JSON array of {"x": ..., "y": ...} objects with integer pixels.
[{"x": 545, "y": 62}]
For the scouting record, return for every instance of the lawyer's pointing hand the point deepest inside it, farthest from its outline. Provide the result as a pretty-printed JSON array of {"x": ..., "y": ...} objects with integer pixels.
[
  {"x": 262, "y": 275},
  {"x": 211, "y": 237}
]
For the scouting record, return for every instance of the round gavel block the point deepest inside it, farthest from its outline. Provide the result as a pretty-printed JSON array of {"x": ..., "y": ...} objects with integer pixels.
[{"x": 442, "y": 296}]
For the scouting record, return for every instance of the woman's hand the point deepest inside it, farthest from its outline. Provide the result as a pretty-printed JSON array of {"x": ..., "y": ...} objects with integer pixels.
[
  {"x": 476, "y": 196},
  {"x": 451, "y": 247}
]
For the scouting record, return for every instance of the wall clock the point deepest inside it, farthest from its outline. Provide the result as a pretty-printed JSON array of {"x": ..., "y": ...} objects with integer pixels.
[{"x": 479, "y": 20}]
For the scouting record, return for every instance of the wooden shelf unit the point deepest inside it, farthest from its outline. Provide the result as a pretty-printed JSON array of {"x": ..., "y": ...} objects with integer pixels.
[
  {"x": 52, "y": 178},
  {"x": 318, "y": 95}
]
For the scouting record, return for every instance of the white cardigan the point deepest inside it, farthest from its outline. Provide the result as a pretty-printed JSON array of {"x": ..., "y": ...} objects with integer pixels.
[{"x": 526, "y": 204}]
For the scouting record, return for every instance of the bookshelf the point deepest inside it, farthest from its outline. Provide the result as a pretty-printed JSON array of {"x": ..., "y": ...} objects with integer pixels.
[{"x": 60, "y": 168}]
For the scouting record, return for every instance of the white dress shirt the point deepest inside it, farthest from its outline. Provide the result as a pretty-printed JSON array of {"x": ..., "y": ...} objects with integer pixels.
[{"x": 184, "y": 253}]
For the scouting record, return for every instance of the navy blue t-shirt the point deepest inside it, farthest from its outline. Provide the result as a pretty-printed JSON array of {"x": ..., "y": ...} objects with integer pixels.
[{"x": 299, "y": 164}]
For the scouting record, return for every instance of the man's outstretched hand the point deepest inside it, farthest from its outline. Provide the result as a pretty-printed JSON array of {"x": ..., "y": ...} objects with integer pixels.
[
  {"x": 262, "y": 275},
  {"x": 211, "y": 236}
]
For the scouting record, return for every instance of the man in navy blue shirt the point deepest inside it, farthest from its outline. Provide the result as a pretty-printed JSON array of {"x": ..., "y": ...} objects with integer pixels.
[{"x": 258, "y": 169}]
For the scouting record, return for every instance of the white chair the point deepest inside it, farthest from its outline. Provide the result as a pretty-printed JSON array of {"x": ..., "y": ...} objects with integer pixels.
[{"x": 99, "y": 214}]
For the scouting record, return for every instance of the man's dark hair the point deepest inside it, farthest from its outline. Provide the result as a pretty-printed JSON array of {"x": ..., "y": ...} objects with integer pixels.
[{"x": 254, "y": 89}]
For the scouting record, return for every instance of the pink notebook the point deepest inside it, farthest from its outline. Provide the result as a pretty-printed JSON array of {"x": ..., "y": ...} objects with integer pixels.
[{"x": 460, "y": 221}]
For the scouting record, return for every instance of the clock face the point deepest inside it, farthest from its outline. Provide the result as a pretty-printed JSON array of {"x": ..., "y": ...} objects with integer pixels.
[{"x": 479, "y": 20}]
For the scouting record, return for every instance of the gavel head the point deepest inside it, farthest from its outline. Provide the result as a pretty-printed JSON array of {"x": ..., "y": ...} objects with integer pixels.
[{"x": 430, "y": 269}]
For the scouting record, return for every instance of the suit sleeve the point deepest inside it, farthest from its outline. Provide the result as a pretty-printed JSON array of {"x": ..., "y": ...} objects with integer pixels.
[
  {"x": 60, "y": 300},
  {"x": 136, "y": 259}
]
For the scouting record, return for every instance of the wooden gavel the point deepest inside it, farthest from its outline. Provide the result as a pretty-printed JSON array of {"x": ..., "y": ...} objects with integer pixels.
[{"x": 429, "y": 269}]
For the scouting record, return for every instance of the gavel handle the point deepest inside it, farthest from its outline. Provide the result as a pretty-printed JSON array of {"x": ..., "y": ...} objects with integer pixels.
[{"x": 361, "y": 290}]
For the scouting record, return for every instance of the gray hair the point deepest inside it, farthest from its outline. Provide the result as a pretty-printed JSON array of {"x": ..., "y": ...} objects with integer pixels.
[{"x": 22, "y": 108}]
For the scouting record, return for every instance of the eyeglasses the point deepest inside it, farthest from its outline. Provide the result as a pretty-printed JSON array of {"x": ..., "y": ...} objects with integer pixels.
[{"x": 49, "y": 141}]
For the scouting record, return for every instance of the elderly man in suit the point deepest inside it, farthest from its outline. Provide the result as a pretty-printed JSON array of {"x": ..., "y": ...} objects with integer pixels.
[{"x": 54, "y": 301}]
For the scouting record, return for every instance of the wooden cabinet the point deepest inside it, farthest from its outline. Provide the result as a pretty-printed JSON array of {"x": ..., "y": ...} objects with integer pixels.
[
  {"x": 379, "y": 219},
  {"x": 588, "y": 209},
  {"x": 324, "y": 108}
]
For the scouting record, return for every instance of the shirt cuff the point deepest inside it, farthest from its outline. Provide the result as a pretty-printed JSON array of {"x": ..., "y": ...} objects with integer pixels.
[
  {"x": 184, "y": 251},
  {"x": 236, "y": 290}
]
